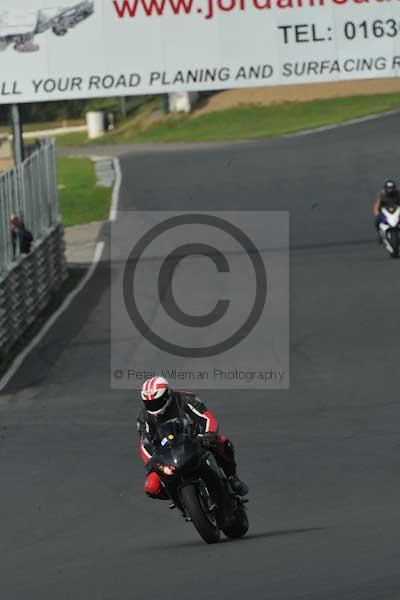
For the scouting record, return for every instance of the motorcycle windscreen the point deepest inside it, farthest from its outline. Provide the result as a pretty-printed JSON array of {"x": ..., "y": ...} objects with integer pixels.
[{"x": 175, "y": 428}]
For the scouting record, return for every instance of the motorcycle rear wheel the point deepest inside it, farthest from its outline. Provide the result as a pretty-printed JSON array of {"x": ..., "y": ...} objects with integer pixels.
[{"x": 207, "y": 529}]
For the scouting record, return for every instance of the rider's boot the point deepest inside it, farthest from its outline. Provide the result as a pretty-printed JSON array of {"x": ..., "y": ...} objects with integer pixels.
[
  {"x": 226, "y": 456},
  {"x": 238, "y": 486}
]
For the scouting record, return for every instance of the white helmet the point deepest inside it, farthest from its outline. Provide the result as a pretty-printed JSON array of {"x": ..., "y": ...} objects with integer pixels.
[{"x": 156, "y": 395}]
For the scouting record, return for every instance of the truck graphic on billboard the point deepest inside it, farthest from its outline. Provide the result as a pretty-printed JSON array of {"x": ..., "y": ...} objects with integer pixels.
[{"x": 18, "y": 28}]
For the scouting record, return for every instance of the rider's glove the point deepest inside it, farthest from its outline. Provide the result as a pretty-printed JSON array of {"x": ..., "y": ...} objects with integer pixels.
[
  {"x": 208, "y": 439},
  {"x": 151, "y": 465}
]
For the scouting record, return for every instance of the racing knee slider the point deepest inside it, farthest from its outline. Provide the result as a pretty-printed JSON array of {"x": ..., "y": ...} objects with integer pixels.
[{"x": 152, "y": 485}]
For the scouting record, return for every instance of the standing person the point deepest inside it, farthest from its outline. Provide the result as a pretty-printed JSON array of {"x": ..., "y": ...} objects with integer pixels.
[
  {"x": 21, "y": 237},
  {"x": 388, "y": 196},
  {"x": 26, "y": 238},
  {"x": 15, "y": 227},
  {"x": 161, "y": 404}
]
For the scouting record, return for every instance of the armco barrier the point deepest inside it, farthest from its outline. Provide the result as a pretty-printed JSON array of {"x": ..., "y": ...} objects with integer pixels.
[{"x": 25, "y": 290}]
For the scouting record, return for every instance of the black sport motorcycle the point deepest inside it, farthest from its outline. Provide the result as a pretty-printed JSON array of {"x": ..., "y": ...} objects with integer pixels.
[{"x": 195, "y": 483}]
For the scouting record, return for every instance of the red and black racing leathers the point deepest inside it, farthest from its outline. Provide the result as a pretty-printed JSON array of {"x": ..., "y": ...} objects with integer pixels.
[{"x": 188, "y": 405}]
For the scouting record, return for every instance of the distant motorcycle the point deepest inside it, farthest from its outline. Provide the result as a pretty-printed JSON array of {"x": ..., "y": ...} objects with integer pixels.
[
  {"x": 196, "y": 484},
  {"x": 389, "y": 229}
]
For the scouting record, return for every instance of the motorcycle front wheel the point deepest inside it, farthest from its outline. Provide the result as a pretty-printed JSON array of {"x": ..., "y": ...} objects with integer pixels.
[
  {"x": 238, "y": 526},
  {"x": 203, "y": 522},
  {"x": 394, "y": 242}
]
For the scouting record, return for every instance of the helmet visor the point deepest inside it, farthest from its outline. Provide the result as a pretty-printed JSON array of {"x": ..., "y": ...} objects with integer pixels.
[{"x": 156, "y": 404}]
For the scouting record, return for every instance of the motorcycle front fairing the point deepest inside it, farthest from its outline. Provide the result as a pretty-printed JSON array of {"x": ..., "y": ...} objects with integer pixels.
[
  {"x": 389, "y": 228},
  {"x": 390, "y": 217},
  {"x": 194, "y": 465},
  {"x": 183, "y": 454}
]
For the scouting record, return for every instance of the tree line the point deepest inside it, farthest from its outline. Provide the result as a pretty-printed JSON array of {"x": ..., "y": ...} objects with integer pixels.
[{"x": 41, "y": 112}]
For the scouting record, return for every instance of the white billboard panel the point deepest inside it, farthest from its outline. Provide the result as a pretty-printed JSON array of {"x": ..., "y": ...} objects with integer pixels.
[{"x": 94, "y": 48}]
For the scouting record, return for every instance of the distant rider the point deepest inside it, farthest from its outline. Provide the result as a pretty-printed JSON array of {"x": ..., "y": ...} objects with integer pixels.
[
  {"x": 162, "y": 404},
  {"x": 387, "y": 197}
]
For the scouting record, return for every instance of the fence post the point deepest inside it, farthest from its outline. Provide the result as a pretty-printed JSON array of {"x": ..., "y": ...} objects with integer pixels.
[{"x": 18, "y": 140}]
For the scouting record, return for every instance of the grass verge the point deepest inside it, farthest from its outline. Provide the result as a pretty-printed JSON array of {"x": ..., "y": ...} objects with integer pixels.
[
  {"x": 249, "y": 121},
  {"x": 245, "y": 122},
  {"x": 81, "y": 200},
  {"x": 144, "y": 114},
  {"x": 79, "y": 138}
]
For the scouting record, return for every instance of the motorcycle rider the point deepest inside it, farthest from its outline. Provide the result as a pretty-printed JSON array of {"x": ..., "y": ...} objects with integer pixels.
[
  {"x": 161, "y": 404},
  {"x": 387, "y": 197}
]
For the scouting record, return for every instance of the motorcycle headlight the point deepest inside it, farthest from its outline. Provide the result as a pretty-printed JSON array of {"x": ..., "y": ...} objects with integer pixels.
[{"x": 167, "y": 469}]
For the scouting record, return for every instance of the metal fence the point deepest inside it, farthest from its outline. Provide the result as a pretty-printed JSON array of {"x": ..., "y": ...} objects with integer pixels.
[{"x": 28, "y": 191}]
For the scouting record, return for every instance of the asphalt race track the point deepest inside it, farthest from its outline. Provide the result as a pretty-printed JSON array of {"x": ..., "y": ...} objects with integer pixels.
[{"x": 322, "y": 460}]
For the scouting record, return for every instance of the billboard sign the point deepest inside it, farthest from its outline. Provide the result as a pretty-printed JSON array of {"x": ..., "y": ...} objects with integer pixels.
[{"x": 90, "y": 48}]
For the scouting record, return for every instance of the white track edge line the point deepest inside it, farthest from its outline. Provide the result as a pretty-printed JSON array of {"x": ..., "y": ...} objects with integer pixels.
[
  {"x": 356, "y": 121},
  {"x": 117, "y": 187},
  {"x": 19, "y": 359},
  {"x": 40, "y": 335}
]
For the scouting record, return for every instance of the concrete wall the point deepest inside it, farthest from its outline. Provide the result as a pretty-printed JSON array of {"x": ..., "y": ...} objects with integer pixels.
[{"x": 27, "y": 288}]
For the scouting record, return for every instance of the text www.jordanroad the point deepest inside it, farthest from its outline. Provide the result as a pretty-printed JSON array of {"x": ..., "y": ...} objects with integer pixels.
[
  {"x": 130, "y": 8},
  {"x": 209, "y": 8}
]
